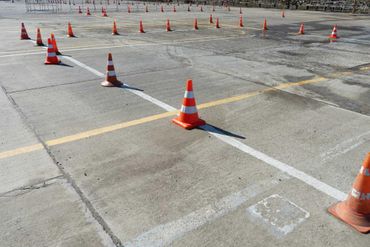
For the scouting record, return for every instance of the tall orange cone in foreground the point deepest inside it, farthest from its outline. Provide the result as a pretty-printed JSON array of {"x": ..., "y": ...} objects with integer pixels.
[
  {"x": 114, "y": 28},
  {"x": 38, "y": 38},
  {"x": 217, "y": 23},
  {"x": 210, "y": 19},
  {"x": 111, "y": 78},
  {"x": 301, "y": 29},
  {"x": 141, "y": 27},
  {"x": 195, "y": 24},
  {"x": 333, "y": 34},
  {"x": 51, "y": 56},
  {"x": 53, "y": 40},
  {"x": 241, "y": 21},
  {"x": 70, "y": 31},
  {"x": 264, "y": 28},
  {"x": 24, "y": 34},
  {"x": 355, "y": 210},
  {"x": 188, "y": 117},
  {"x": 168, "y": 26}
]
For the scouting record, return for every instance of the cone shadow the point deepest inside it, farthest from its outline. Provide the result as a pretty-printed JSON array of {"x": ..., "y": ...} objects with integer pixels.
[
  {"x": 216, "y": 130},
  {"x": 125, "y": 86}
]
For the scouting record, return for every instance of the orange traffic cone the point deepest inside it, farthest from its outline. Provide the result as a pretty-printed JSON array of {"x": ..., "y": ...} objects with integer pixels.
[
  {"x": 301, "y": 29},
  {"x": 241, "y": 21},
  {"x": 53, "y": 40},
  {"x": 162, "y": 10},
  {"x": 188, "y": 117},
  {"x": 283, "y": 13},
  {"x": 24, "y": 34},
  {"x": 168, "y": 26},
  {"x": 355, "y": 210},
  {"x": 51, "y": 57},
  {"x": 264, "y": 28},
  {"x": 128, "y": 9},
  {"x": 217, "y": 23},
  {"x": 210, "y": 19},
  {"x": 88, "y": 11},
  {"x": 195, "y": 24},
  {"x": 114, "y": 28},
  {"x": 333, "y": 34},
  {"x": 201, "y": 8},
  {"x": 111, "y": 78},
  {"x": 141, "y": 27},
  {"x": 38, "y": 38},
  {"x": 104, "y": 12},
  {"x": 70, "y": 31},
  {"x": 174, "y": 8},
  {"x": 79, "y": 10}
]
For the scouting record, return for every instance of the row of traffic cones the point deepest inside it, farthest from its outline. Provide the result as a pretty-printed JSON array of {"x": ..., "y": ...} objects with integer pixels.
[{"x": 24, "y": 34}]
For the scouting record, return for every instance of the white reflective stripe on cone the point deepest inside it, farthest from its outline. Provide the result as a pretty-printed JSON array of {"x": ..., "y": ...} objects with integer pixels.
[
  {"x": 51, "y": 54},
  {"x": 188, "y": 109},
  {"x": 189, "y": 95},
  {"x": 110, "y": 62},
  {"x": 365, "y": 171},
  {"x": 111, "y": 73}
]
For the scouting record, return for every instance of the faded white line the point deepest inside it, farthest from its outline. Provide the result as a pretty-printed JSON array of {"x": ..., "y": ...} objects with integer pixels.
[
  {"x": 345, "y": 147},
  {"x": 304, "y": 177},
  {"x": 165, "y": 234},
  {"x": 82, "y": 65}
]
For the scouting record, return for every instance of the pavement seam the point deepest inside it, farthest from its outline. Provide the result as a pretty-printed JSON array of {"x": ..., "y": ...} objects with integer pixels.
[{"x": 66, "y": 175}]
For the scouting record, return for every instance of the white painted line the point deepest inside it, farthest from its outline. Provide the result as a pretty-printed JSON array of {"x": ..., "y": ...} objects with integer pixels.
[
  {"x": 165, "y": 234},
  {"x": 151, "y": 99},
  {"x": 304, "y": 177},
  {"x": 82, "y": 65}
]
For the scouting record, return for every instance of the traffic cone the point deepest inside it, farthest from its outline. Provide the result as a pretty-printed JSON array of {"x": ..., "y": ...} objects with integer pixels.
[
  {"x": 70, "y": 31},
  {"x": 217, "y": 23},
  {"x": 188, "y": 117},
  {"x": 355, "y": 210},
  {"x": 240, "y": 10},
  {"x": 114, "y": 28},
  {"x": 210, "y": 19},
  {"x": 104, "y": 14},
  {"x": 24, "y": 34},
  {"x": 111, "y": 78},
  {"x": 174, "y": 8},
  {"x": 79, "y": 10},
  {"x": 201, "y": 8},
  {"x": 141, "y": 27},
  {"x": 88, "y": 11},
  {"x": 53, "y": 40},
  {"x": 146, "y": 9},
  {"x": 38, "y": 38},
  {"x": 333, "y": 34},
  {"x": 128, "y": 9},
  {"x": 162, "y": 10},
  {"x": 264, "y": 28},
  {"x": 168, "y": 26},
  {"x": 241, "y": 21},
  {"x": 51, "y": 57},
  {"x": 301, "y": 29},
  {"x": 283, "y": 13},
  {"x": 195, "y": 24}
]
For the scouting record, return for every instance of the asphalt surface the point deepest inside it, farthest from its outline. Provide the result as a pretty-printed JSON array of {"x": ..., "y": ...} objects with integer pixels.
[{"x": 288, "y": 126}]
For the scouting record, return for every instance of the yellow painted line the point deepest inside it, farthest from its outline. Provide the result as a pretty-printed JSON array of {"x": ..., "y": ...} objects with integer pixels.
[
  {"x": 107, "y": 129},
  {"x": 22, "y": 150}
]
